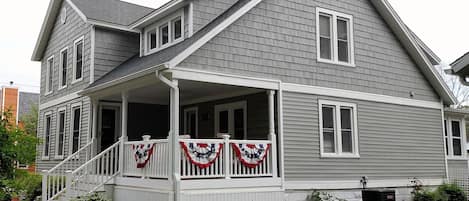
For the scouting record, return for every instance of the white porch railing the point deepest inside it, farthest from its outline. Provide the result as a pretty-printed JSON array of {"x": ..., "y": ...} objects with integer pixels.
[
  {"x": 94, "y": 174},
  {"x": 227, "y": 165},
  {"x": 54, "y": 180},
  {"x": 158, "y": 165}
]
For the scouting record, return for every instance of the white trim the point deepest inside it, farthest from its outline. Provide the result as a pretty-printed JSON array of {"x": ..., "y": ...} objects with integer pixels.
[
  {"x": 230, "y": 184},
  {"x": 281, "y": 140},
  {"x": 92, "y": 52},
  {"x": 355, "y": 184},
  {"x": 220, "y": 78},
  {"x": 117, "y": 122},
  {"x": 190, "y": 20},
  {"x": 338, "y": 130},
  {"x": 61, "y": 69},
  {"x": 59, "y": 100},
  {"x": 212, "y": 33},
  {"x": 449, "y": 129},
  {"x": 167, "y": 21},
  {"x": 73, "y": 107},
  {"x": 196, "y": 110},
  {"x": 341, "y": 93},
  {"x": 334, "y": 44},
  {"x": 218, "y": 97},
  {"x": 74, "y": 68},
  {"x": 230, "y": 107},
  {"x": 47, "y": 115},
  {"x": 156, "y": 13},
  {"x": 444, "y": 139},
  {"x": 49, "y": 87},
  {"x": 59, "y": 111},
  {"x": 74, "y": 7},
  {"x": 111, "y": 26}
]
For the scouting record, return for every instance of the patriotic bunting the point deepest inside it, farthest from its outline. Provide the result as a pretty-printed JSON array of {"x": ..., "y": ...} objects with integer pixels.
[
  {"x": 251, "y": 155},
  {"x": 202, "y": 154},
  {"x": 142, "y": 154}
]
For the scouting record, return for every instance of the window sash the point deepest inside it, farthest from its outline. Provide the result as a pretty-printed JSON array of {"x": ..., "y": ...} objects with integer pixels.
[
  {"x": 50, "y": 73},
  {"x": 47, "y": 131},
  {"x": 63, "y": 68},
  {"x": 345, "y": 140},
  {"x": 78, "y": 59},
  {"x": 76, "y": 121},
  {"x": 61, "y": 133},
  {"x": 454, "y": 142}
]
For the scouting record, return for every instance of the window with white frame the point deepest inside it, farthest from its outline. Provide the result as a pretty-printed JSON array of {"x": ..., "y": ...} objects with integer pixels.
[
  {"x": 454, "y": 137},
  {"x": 191, "y": 122},
  {"x": 75, "y": 127},
  {"x": 231, "y": 119},
  {"x": 78, "y": 59},
  {"x": 338, "y": 129},
  {"x": 63, "y": 68},
  {"x": 167, "y": 32},
  {"x": 60, "y": 136},
  {"x": 47, "y": 130},
  {"x": 49, "y": 74},
  {"x": 334, "y": 37}
]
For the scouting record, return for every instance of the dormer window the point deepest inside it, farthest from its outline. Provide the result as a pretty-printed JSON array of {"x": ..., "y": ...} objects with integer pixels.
[{"x": 164, "y": 33}]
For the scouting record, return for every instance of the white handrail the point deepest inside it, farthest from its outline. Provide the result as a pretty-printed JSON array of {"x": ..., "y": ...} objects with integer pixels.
[{"x": 71, "y": 157}]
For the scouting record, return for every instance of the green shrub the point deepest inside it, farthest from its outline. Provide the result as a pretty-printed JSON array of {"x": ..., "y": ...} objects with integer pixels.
[
  {"x": 92, "y": 197},
  {"x": 451, "y": 192},
  {"x": 25, "y": 185},
  {"x": 323, "y": 196}
]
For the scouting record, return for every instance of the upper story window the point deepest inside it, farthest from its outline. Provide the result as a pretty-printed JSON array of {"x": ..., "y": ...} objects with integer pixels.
[
  {"x": 165, "y": 33},
  {"x": 338, "y": 129},
  {"x": 454, "y": 138},
  {"x": 63, "y": 68},
  {"x": 334, "y": 37},
  {"x": 49, "y": 74},
  {"x": 78, "y": 60},
  {"x": 47, "y": 132}
]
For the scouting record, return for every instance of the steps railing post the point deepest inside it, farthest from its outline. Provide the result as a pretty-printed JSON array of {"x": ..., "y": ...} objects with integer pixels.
[
  {"x": 44, "y": 185},
  {"x": 68, "y": 184},
  {"x": 226, "y": 156},
  {"x": 121, "y": 155}
]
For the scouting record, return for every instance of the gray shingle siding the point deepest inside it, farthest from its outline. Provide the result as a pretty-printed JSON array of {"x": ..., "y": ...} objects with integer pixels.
[
  {"x": 395, "y": 142},
  {"x": 277, "y": 39},
  {"x": 84, "y": 131},
  {"x": 112, "y": 48},
  {"x": 64, "y": 35},
  {"x": 207, "y": 10}
]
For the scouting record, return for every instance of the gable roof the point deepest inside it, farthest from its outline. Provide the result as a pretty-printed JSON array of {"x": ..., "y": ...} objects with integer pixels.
[
  {"x": 461, "y": 65},
  {"x": 434, "y": 59},
  {"x": 113, "y": 14}
]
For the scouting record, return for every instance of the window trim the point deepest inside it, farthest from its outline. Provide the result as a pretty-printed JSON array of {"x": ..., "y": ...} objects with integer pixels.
[
  {"x": 169, "y": 22},
  {"x": 231, "y": 107},
  {"x": 61, "y": 69},
  {"x": 72, "y": 117},
  {"x": 337, "y": 137},
  {"x": 334, "y": 48},
  {"x": 59, "y": 111},
  {"x": 49, "y": 89},
  {"x": 47, "y": 115},
  {"x": 74, "y": 69},
  {"x": 186, "y": 111},
  {"x": 449, "y": 138}
]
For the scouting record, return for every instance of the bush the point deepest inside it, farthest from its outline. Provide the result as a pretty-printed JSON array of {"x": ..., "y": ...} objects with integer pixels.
[
  {"x": 93, "y": 197},
  {"x": 26, "y": 186},
  {"x": 445, "y": 192}
]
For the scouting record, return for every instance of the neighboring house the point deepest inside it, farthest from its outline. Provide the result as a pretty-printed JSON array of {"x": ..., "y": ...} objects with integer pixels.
[
  {"x": 248, "y": 99},
  {"x": 18, "y": 103},
  {"x": 460, "y": 67}
]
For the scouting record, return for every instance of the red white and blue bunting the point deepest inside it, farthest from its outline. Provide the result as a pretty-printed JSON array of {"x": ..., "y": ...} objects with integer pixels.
[
  {"x": 251, "y": 155},
  {"x": 203, "y": 155},
  {"x": 142, "y": 154}
]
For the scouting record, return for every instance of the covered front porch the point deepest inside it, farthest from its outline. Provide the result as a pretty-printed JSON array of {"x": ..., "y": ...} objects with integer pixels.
[{"x": 183, "y": 131}]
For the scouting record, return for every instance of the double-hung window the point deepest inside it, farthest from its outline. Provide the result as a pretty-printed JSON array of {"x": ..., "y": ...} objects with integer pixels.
[
  {"x": 47, "y": 130},
  {"x": 191, "y": 122},
  {"x": 338, "y": 129},
  {"x": 78, "y": 59},
  {"x": 59, "y": 144},
  {"x": 165, "y": 33},
  {"x": 49, "y": 74},
  {"x": 75, "y": 127},
  {"x": 334, "y": 37},
  {"x": 454, "y": 137},
  {"x": 63, "y": 68}
]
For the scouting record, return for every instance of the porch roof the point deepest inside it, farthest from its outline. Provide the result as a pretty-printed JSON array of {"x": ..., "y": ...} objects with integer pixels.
[{"x": 139, "y": 66}]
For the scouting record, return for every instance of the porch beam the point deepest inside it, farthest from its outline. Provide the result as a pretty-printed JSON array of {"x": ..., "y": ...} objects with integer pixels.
[
  {"x": 123, "y": 138},
  {"x": 272, "y": 135}
]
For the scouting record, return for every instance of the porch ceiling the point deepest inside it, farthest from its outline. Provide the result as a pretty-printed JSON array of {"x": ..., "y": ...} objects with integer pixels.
[{"x": 190, "y": 92}]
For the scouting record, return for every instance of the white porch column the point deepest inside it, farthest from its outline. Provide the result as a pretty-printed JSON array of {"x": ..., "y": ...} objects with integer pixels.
[
  {"x": 94, "y": 130},
  {"x": 123, "y": 138},
  {"x": 272, "y": 135},
  {"x": 176, "y": 152}
]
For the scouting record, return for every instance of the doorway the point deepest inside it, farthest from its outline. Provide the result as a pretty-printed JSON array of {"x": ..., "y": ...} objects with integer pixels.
[
  {"x": 231, "y": 119},
  {"x": 109, "y": 125}
]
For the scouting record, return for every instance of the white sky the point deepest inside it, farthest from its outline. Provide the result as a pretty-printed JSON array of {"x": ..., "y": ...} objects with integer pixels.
[{"x": 442, "y": 25}]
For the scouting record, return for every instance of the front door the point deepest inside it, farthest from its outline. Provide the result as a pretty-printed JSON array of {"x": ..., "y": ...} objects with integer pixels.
[
  {"x": 109, "y": 126},
  {"x": 231, "y": 119}
]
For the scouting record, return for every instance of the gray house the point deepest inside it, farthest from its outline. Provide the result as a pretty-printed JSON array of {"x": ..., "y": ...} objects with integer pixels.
[{"x": 236, "y": 99}]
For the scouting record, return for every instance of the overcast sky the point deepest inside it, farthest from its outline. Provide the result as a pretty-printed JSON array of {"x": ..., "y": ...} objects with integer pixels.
[{"x": 442, "y": 25}]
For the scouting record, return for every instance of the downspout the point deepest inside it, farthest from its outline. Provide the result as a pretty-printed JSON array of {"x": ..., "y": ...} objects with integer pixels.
[
  {"x": 174, "y": 132},
  {"x": 444, "y": 140}
]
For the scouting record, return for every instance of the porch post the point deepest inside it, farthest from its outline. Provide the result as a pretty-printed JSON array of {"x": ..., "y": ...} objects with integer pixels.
[
  {"x": 272, "y": 135},
  {"x": 176, "y": 152},
  {"x": 123, "y": 138},
  {"x": 94, "y": 131}
]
